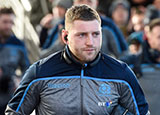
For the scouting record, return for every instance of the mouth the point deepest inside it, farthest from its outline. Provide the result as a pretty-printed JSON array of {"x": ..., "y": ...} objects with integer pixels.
[{"x": 89, "y": 50}]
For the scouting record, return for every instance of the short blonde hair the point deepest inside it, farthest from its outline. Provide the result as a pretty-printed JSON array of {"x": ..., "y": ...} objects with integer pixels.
[{"x": 80, "y": 12}]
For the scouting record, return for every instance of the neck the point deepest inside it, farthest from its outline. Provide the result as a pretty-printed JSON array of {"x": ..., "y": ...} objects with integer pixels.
[
  {"x": 3, "y": 39},
  {"x": 77, "y": 60},
  {"x": 69, "y": 57}
]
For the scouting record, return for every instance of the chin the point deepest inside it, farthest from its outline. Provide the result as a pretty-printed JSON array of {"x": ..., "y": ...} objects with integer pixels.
[
  {"x": 89, "y": 59},
  {"x": 7, "y": 35}
]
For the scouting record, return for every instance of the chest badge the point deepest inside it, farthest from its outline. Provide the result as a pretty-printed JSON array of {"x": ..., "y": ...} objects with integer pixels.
[{"x": 104, "y": 89}]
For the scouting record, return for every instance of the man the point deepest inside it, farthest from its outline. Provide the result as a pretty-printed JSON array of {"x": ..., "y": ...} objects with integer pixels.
[
  {"x": 120, "y": 13},
  {"x": 151, "y": 46},
  {"x": 50, "y": 20},
  {"x": 39, "y": 9},
  {"x": 13, "y": 53},
  {"x": 147, "y": 50},
  {"x": 80, "y": 79},
  {"x": 138, "y": 20},
  {"x": 12, "y": 56}
]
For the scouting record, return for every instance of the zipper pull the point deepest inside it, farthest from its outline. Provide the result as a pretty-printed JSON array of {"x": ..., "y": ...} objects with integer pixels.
[{"x": 85, "y": 65}]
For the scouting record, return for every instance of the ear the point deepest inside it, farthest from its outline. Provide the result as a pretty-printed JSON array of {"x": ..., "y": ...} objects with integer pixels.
[
  {"x": 149, "y": 35},
  {"x": 64, "y": 36},
  {"x": 147, "y": 31}
]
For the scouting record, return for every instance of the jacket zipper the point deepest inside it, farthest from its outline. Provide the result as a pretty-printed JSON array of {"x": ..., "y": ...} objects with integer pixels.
[{"x": 81, "y": 85}]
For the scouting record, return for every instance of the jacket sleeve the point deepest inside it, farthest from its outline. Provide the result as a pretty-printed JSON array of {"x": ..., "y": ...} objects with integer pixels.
[
  {"x": 25, "y": 97},
  {"x": 137, "y": 90}
]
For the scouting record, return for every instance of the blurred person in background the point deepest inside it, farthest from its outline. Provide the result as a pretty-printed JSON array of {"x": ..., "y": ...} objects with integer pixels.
[
  {"x": 120, "y": 13},
  {"x": 140, "y": 19},
  {"x": 13, "y": 56},
  {"x": 152, "y": 11},
  {"x": 103, "y": 7},
  {"x": 49, "y": 21},
  {"x": 135, "y": 40},
  {"x": 149, "y": 48},
  {"x": 139, "y": 4},
  {"x": 39, "y": 9},
  {"x": 13, "y": 53},
  {"x": 136, "y": 31},
  {"x": 137, "y": 20}
]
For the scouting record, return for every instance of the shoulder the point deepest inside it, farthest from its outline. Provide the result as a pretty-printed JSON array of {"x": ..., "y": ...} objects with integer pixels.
[
  {"x": 50, "y": 59},
  {"x": 118, "y": 69},
  {"x": 113, "y": 61},
  {"x": 39, "y": 67},
  {"x": 13, "y": 40},
  {"x": 50, "y": 65},
  {"x": 106, "y": 19}
]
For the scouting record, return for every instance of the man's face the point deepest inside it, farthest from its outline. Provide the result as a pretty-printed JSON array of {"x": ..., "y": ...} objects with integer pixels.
[
  {"x": 120, "y": 15},
  {"x": 6, "y": 23},
  {"x": 137, "y": 21},
  {"x": 157, "y": 4},
  {"x": 85, "y": 39},
  {"x": 154, "y": 39},
  {"x": 58, "y": 12}
]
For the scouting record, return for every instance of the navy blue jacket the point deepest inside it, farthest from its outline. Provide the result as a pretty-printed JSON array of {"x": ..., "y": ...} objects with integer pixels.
[
  {"x": 60, "y": 85},
  {"x": 13, "y": 54}
]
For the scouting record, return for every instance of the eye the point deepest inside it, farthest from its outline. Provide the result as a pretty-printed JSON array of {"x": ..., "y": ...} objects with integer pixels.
[
  {"x": 81, "y": 35},
  {"x": 96, "y": 34}
]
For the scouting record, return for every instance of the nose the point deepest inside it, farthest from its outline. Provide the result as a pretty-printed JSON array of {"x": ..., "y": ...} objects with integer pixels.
[
  {"x": 9, "y": 25},
  {"x": 89, "y": 40}
]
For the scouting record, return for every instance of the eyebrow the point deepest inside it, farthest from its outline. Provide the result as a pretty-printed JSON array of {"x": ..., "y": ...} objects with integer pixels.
[{"x": 87, "y": 32}]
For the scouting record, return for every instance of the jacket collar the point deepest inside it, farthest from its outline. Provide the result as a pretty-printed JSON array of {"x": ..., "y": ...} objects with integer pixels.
[{"x": 69, "y": 58}]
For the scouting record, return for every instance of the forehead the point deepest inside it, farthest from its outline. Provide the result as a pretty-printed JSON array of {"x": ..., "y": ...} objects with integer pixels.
[
  {"x": 156, "y": 29},
  {"x": 85, "y": 26},
  {"x": 121, "y": 6},
  {"x": 7, "y": 16},
  {"x": 137, "y": 18}
]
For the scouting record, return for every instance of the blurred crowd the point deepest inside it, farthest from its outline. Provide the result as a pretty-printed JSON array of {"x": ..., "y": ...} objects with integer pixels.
[{"x": 130, "y": 30}]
